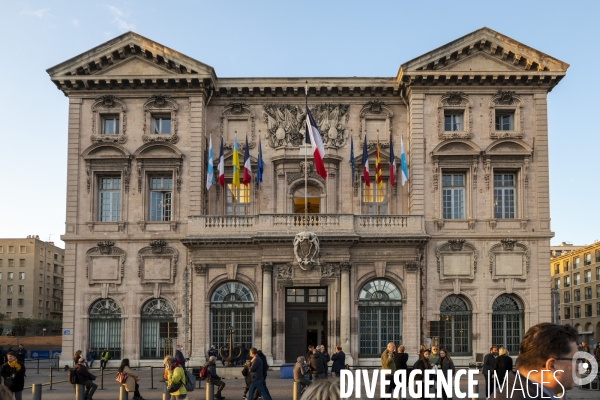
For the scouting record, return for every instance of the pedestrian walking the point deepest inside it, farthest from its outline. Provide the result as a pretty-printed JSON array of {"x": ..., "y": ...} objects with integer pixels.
[
  {"x": 446, "y": 365},
  {"x": 14, "y": 375},
  {"x": 256, "y": 373},
  {"x": 401, "y": 359},
  {"x": 176, "y": 378},
  {"x": 317, "y": 366},
  {"x": 387, "y": 362}
]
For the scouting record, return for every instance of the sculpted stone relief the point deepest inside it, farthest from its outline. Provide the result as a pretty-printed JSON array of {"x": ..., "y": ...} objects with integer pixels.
[
  {"x": 157, "y": 263},
  {"x": 286, "y": 123},
  {"x": 105, "y": 263},
  {"x": 108, "y": 104}
]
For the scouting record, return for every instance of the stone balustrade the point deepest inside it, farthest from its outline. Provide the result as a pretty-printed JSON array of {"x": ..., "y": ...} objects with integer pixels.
[{"x": 217, "y": 225}]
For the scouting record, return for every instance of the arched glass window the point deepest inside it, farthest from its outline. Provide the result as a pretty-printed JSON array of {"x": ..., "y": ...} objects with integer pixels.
[
  {"x": 507, "y": 323},
  {"x": 105, "y": 327},
  {"x": 379, "y": 317},
  {"x": 313, "y": 200},
  {"x": 232, "y": 304},
  {"x": 154, "y": 312},
  {"x": 456, "y": 314}
]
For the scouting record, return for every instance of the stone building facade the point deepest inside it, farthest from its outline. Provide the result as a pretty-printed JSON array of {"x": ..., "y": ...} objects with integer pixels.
[
  {"x": 465, "y": 241},
  {"x": 576, "y": 285},
  {"x": 31, "y": 279}
]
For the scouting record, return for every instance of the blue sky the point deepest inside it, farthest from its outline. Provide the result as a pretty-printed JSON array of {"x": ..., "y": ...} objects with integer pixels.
[{"x": 279, "y": 38}]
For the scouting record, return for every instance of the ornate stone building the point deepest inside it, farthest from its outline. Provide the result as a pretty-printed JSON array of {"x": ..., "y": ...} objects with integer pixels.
[{"x": 466, "y": 241}]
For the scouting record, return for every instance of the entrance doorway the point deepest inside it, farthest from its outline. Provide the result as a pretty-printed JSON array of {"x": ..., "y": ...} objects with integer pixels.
[{"x": 305, "y": 320}]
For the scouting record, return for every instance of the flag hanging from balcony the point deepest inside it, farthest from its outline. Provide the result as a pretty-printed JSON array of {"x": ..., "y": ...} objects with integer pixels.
[
  {"x": 392, "y": 163},
  {"x": 378, "y": 177},
  {"x": 260, "y": 166},
  {"x": 247, "y": 166},
  {"x": 236, "y": 164},
  {"x": 210, "y": 176},
  {"x": 221, "y": 166},
  {"x": 403, "y": 168},
  {"x": 365, "y": 163},
  {"x": 352, "y": 158},
  {"x": 314, "y": 138}
]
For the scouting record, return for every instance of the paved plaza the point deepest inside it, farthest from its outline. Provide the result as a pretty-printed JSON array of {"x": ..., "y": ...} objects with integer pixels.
[{"x": 281, "y": 389}]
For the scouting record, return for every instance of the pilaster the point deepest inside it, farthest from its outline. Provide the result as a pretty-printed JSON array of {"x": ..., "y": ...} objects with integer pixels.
[
  {"x": 416, "y": 184},
  {"x": 197, "y": 155},
  {"x": 267, "y": 311}
]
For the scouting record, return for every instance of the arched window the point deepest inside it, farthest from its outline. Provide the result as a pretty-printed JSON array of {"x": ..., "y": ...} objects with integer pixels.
[
  {"x": 312, "y": 200},
  {"x": 154, "y": 312},
  {"x": 379, "y": 317},
  {"x": 507, "y": 323},
  {"x": 105, "y": 327},
  {"x": 232, "y": 304},
  {"x": 456, "y": 314}
]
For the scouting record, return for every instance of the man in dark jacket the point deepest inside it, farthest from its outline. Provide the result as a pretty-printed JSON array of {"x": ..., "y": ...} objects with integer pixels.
[
  {"x": 317, "y": 365},
  {"x": 213, "y": 377},
  {"x": 256, "y": 373},
  {"x": 263, "y": 358},
  {"x": 339, "y": 361},
  {"x": 21, "y": 353},
  {"x": 85, "y": 378},
  {"x": 544, "y": 366},
  {"x": 179, "y": 355},
  {"x": 488, "y": 370},
  {"x": 326, "y": 358}
]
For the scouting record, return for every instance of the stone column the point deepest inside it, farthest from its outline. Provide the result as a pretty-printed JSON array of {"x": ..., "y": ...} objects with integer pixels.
[
  {"x": 267, "y": 311},
  {"x": 411, "y": 327},
  {"x": 345, "y": 311}
]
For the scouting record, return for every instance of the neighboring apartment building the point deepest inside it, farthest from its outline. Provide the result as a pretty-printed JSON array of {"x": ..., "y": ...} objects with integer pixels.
[
  {"x": 576, "y": 280},
  {"x": 466, "y": 241},
  {"x": 562, "y": 249},
  {"x": 31, "y": 278}
]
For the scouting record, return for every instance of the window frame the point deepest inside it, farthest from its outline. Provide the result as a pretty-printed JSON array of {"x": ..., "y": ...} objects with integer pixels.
[
  {"x": 502, "y": 114},
  {"x": 101, "y": 190},
  {"x": 452, "y": 123},
  {"x": 104, "y": 118},
  {"x": 374, "y": 190},
  {"x": 453, "y": 189},
  {"x": 514, "y": 187},
  {"x": 587, "y": 276},
  {"x": 229, "y": 205},
  {"x": 506, "y": 103},
  {"x": 164, "y": 191},
  {"x": 455, "y": 103}
]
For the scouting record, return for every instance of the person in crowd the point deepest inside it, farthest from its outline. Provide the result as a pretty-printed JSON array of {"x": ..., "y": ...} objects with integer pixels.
[
  {"x": 323, "y": 389},
  {"x": 9, "y": 333},
  {"x": 421, "y": 348},
  {"x": 502, "y": 365},
  {"x": 256, "y": 373},
  {"x": 21, "y": 354},
  {"x": 243, "y": 353},
  {"x": 326, "y": 358},
  {"x": 179, "y": 355},
  {"x": 131, "y": 384},
  {"x": 177, "y": 376},
  {"x": 76, "y": 357},
  {"x": 446, "y": 365},
  {"x": 544, "y": 364},
  {"x": 401, "y": 359},
  {"x": 213, "y": 377},
  {"x": 422, "y": 364},
  {"x": 265, "y": 369},
  {"x": 212, "y": 352},
  {"x": 90, "y": 357},
  {"x": 488, "y": 370},
  {"x": 339, "y": 361},
  {"x": 584, "y": 347},
  {"x": 387, "y": 362},
  {"x": 247, "y": 379},
  {"x": 597, "y": 352},
  {"x": 317, "y": 366},
  {"x": 14, "y": 375},
  {"x": 310, "y": 352},
  {"x": 165, "y": 376},
  {"x": 85, "y": 378},
  {"x": 104, "y": 357},
  {"x": 433, "y": 356},
  {"x": 301, "y": 369}
]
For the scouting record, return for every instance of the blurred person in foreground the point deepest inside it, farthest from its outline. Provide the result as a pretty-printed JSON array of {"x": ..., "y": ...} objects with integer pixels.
[
  {"x": 14, "y": 375},
  {"x": 544, "y": 364},
  {"x": 323, "y": 389}
]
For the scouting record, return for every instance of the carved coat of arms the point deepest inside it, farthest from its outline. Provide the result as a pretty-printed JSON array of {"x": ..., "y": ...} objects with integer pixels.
[{"x": 306, "y": 249}]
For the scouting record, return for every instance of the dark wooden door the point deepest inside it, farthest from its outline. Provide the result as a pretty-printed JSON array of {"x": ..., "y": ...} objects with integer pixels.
[{"x": 295, "y": 335}]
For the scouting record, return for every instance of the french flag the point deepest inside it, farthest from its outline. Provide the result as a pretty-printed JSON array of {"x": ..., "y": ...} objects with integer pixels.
[
  {"x": 247, "y": 167},
  {"x": 312, "y": 134},
  {"x": 365, "y": 163},
  {"x": 221, "y": 166}
]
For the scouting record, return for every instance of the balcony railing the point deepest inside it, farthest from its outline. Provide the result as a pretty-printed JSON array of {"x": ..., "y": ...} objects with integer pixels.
[{"x": 217, "y": 225}]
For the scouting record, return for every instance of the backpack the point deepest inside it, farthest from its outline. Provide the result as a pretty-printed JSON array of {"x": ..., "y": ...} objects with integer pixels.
[
  {"x": 190, "y": 381},
  {"x": 204, "y": 373},
  {"x": 72, "y": 376}
]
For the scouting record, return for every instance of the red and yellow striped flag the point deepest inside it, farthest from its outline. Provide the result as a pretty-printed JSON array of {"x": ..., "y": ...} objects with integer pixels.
[{"x": 378, "y": 177}]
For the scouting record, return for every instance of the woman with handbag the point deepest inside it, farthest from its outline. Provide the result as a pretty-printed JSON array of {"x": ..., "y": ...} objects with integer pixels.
[
  {"x": 176, "y": 380},
  {"x": 129, "y": 379},
  {"x": 14, "y": 375}
]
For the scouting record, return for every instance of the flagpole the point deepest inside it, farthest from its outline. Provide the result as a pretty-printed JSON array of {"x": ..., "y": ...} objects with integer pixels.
[{"x": 306, "y": 164}]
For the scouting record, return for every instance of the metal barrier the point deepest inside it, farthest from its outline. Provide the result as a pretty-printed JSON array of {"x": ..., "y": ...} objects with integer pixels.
[
  {"x": 210, "y": 391},
  {"x": 296, "y": 391},
  {"x": 79, "y": 392},
  {"x": 36, "y": 391},
  {"x": 123, "y": 394}
]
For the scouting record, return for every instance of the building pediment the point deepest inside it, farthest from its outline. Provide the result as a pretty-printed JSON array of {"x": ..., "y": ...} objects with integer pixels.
[
  {"x": 515, "y": 147},
  {"x": 126, "y": 58},
  {"x": 456, "y": 147}
]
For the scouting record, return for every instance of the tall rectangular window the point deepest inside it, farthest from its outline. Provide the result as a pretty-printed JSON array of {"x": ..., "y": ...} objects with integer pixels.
[
  {"x": 9, "y": 302},
  {"x": 10, "y": 275},
  {"x": 588, "y": 293},
  {"x": 576, "y": 295},
  {"x": 576, "y": 263},
  {"x": 504, "y": 121},
  {"x": 567, "y": 281},
  {"x": 453, "y": 196},
  {"x": 21, "y": 288},
  {"x": 22, "y": 249},
  {"x": 598, "y": 309},
  {"x": 587, "y": 276},
  {"x": 21, "y": 263},
  {"x": 557, "y": 283},
  {"x": 21, "y": 275},
  {"x": 110, "y": 125},
  {"x": 9, "y": 288},
  {"x": 505, "y": 190},
  {"x": 567, "y": 297},
  {"x": 11, "y": 262},
  {"x": 238, "y": 199},
  {"x": 588, "y": 310},
  {"x": 453, "y": 121},
  {"x": 109, "y": 201},
  {"x": 587, "y": 259},
  {"x": 576, "y": 279},
  {"x": 160, "y": 198},
  {"x": 556, "y": 268},
  {"x": 374, "y": 199},
  {"x": 566, "y": 265},
  {"x": 598, "y": 274},
  {"x": 597, "y": 255},
  {"x": 161, "y": 124},
  {"x": 577, "y": 313}
]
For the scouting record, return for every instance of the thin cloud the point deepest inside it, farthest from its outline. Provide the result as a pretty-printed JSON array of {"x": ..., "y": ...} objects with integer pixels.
[
  {"x": 41, "y": 13},
  {"x": 74, "y": 22},
  {"x": 119, "y": 19}
]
